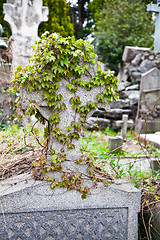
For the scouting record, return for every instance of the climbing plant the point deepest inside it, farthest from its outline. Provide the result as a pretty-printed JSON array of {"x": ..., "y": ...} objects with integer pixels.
[{"x": 59, "y": 59}]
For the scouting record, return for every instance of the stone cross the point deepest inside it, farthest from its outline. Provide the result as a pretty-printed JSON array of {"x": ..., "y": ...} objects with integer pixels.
[
  {"x": 67, "y": 116},
  {"x": 156, "y": 8},
  {"x": 24, "y": 17},
  {"x": 124, "y": 124}
]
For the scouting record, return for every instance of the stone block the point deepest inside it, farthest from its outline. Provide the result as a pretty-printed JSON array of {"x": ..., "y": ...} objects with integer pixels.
[
  {"x": 93, "y": 122},
  {"x": 137, "y": 59},
  {"x": 133, "y": 87},
  {"x": 120, "y": 103},
  {"x": 141, "y": 127},
  {"x": 31, "y": 210},
  {"x": 155, "y": 164},
  {"x": 146, "y": 65},
  {"x": 130, "y": 52},
  {"x": 99, "y": 112},
  {"x": 117, "y": 113},
  {"x": 115, "y": 144},
  {"x": 133, "y": 96}
]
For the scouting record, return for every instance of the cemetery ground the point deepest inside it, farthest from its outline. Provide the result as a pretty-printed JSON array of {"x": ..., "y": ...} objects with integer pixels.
[{"x": 21, "y": 147}]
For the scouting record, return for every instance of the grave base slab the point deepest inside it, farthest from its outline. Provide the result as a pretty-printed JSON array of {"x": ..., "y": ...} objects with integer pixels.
[
  {"x": 143, "y": 127},
  {"x": 31, "y": 210}
]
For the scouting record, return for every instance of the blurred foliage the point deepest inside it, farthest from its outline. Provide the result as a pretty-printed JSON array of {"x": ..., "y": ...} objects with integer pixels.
[
  {"x": 6, "y": 28},
  {"x": 113, "y": 23},
  {"x": 120, "y": 23},
  {"x": 59, "y": 18},
  {"x": 81, "y": 18}
]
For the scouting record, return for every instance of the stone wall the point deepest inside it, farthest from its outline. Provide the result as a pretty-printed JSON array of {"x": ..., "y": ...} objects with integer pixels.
[{"x": 136, "y": 61}]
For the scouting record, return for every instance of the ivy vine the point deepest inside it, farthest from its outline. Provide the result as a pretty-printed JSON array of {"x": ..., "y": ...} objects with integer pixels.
[{"x": 56, "y": 59}]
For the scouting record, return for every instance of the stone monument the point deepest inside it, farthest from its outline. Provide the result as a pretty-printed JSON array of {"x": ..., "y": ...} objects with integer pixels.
[
  {"x": 64, "y": 214},
  {"x": 69, "y": 115},
  {"x": 31, "y": 210},
  {"x": 148, "y": 113},
  {"x": 24, "y": 17},
  {"x": 156, "y": 9},
  {"x": 124, "y": 124}
]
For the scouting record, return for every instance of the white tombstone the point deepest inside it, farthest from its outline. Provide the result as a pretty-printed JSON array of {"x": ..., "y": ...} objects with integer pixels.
[{"x": 24, "y": 17}]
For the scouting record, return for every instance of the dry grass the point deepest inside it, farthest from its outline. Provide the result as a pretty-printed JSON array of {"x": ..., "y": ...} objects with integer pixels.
[{"x": 18, "y": 149}]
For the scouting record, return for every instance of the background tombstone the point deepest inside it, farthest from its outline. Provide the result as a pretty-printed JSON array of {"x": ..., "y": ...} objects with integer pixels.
[
  {"x": 124, "y": 124},
  {"x": 156, "y": 9},
  {"x": 149, "y": 93},
  {"x": 24, "y": 18},
  {"x": 115, "y": 144}
]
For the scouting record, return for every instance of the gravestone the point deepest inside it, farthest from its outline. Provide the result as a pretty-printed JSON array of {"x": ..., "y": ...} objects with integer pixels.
[
  {"x": 62, "y": 214},
  {"x": 37, "y": 212},
  {"x": 156, "y": 9},
  {"x": 124, "y": 124},
  {"x": 115, "y": 144},
  {"x": 67, "y": 116},
  {"x": 24, "y": 17},
  {"x": 31, "y": 210},
  {"x": 130, "y": 52},
  {"x": 148, "y": 113}
]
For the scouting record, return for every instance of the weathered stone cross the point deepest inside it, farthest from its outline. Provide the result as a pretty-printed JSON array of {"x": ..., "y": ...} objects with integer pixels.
[
  {"x": 156, "y": 8},
  {"x": 68, "y": 115},
  {"x": 124, "y": 124}
]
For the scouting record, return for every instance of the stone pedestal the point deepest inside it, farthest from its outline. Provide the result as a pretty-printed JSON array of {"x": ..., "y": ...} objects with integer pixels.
[{"x": 31, "y": 210}]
